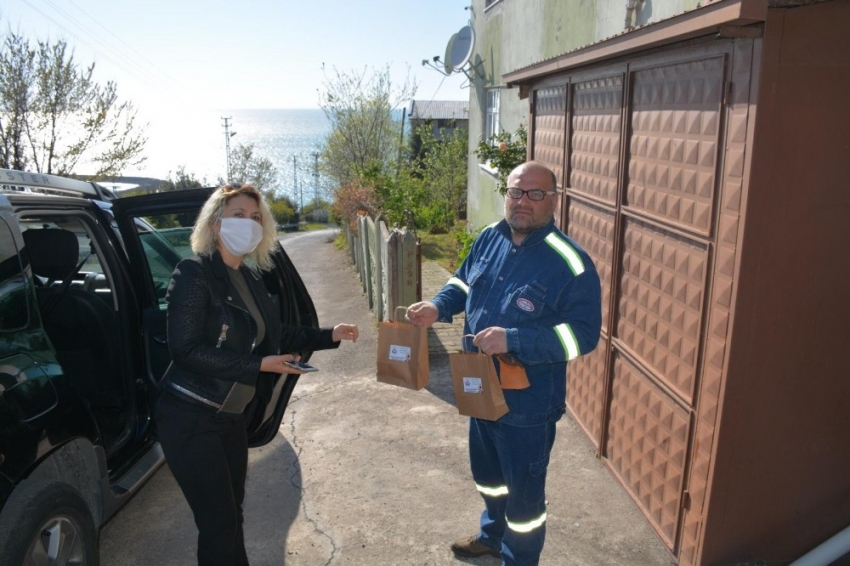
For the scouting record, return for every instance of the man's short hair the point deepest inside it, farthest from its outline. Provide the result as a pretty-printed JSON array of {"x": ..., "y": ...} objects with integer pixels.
[{"x": 538, "y": 164}]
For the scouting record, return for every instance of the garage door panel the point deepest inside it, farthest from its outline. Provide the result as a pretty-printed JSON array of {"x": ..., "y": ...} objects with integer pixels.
[
  {"x": 596, "y": 132},
  {"x": 550, "y": 108},
  {"x": 660, "y": 302},
  {"x": 674, "y": 142},
  {"x": 647, "y": 445},
  {"x": 586, "y": 390},
  {"x": 592, "y": 227}
]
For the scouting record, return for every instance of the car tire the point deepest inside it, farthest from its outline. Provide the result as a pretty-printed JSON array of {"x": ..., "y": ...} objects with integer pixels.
[{"x": 48, "y": 523}]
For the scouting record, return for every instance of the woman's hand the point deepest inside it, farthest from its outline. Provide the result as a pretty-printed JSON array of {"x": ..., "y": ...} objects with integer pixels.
[
  {"x": 345, "y": 332},
  {"x": 277, "y": 364}
]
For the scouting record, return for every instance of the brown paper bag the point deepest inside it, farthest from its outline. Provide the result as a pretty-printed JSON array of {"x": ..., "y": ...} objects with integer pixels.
[
  {"x": 402, "y": 354},
  {"x": 476, "y": 386}
]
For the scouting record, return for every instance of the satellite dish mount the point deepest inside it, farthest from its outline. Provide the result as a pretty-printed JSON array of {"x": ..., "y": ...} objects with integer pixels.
[{"x": 459, "y": 51}]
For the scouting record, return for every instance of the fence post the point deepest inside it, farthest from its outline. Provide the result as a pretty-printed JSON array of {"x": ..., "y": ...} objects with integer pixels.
[
  {"x": 386, "y": 272},
  {"x": 365, "y": 274},
  {"x": 409, "y": 273},
  {"x": 376, "y": 267}
]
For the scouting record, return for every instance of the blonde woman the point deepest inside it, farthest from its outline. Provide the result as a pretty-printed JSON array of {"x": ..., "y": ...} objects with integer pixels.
[{"x": 224, "y": 335}]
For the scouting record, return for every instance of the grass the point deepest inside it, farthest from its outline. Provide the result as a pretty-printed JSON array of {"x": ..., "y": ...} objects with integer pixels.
[
  {"x": 441, "y": 248},
  {"x": 314, "y": 226}
]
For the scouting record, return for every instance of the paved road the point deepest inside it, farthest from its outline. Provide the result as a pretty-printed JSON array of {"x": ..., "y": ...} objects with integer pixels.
[{"x": 369, "y": 474}]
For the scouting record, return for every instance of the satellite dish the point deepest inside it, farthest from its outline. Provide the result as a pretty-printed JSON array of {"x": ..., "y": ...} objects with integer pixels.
[
  {"x": 461, "y": 45},
  {"x": 447, "y": 60}
]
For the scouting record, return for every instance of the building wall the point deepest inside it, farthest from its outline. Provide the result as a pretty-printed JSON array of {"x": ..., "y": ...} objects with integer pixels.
[
  {"x": 512, "y": 34},
  {"x": 771, "y": 477},
  {"x": 782, "y": 445}
]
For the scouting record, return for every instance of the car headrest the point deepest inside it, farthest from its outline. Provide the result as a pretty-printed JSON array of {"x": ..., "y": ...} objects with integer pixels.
[{"x": 53, "y": 252}]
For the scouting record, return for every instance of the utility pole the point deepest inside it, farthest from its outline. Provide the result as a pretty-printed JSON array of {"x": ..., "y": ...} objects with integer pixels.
[
  {"x": 316, "y": 182},
  {"x": 295, "y": 185},
  {"x": 227, "y": 135}
]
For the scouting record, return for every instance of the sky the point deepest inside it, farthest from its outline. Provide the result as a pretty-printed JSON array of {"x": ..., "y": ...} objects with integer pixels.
[{"x": 171, "y": 58}]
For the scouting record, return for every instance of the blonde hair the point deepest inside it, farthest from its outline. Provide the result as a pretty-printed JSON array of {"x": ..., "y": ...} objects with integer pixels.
[{"x": 203, "y": 234}]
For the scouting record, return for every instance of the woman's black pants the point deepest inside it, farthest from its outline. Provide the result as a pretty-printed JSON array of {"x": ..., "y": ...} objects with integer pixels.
[{"x": 208, "y": 455}]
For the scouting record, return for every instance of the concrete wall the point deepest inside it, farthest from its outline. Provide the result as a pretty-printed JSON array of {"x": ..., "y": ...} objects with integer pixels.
[{"x": 512, "y": 34}]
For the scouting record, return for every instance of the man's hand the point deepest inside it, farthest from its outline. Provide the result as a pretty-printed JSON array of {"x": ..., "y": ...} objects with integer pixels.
[
  {"x": 491, "y": 341},
  {"x": 424, "y": 313}
]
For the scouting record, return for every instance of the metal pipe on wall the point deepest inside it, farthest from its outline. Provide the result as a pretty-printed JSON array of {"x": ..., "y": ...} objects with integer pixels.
[{"x": 826, "y": 553}]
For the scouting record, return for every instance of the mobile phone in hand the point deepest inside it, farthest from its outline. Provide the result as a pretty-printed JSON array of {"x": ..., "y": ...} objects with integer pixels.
[{"x": 301, "y": 366}]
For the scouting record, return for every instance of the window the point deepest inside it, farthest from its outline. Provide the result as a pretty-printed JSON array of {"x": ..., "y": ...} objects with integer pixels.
[
  {"x": 491, "y": 118},
  {"x": 163, "y": 248},
  {"x": 13, "y": 288}
]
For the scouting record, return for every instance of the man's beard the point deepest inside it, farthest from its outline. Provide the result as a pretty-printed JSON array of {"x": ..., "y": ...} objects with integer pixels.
[{"x": 527, "y": 227}]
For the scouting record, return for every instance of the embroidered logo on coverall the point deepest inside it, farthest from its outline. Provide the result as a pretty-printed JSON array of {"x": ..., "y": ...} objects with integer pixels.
[{"x": 525, "y": 304}]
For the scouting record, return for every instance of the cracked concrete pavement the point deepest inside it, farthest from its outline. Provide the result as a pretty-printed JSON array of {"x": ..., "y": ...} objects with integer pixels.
[{"x": 364, "y": 473}]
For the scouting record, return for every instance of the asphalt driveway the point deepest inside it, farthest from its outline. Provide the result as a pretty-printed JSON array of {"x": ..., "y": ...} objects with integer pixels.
[{"x": 364, "y": 473}]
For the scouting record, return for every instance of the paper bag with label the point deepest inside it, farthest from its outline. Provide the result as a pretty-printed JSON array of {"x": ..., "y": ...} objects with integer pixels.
[
  {"x": 476, "y": 386},
  {"x": 402, "y": 353}
]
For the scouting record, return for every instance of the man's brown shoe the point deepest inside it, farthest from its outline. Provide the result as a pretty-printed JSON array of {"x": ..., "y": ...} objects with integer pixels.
[{"x": 469, "y": 547}]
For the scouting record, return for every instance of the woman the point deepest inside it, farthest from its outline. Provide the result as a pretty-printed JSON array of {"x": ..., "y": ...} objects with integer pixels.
[{"x": 225, "y": 336}]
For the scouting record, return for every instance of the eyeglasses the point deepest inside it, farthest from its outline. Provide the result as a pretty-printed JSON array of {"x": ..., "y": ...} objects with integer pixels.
[{"x": 532, "y": 194}]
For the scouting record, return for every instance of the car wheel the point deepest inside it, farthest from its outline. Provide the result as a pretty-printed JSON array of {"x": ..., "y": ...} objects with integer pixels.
[{"x": 52, "y": 526}]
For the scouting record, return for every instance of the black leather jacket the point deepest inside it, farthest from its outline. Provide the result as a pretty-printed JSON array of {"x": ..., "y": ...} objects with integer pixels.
[{"x": 211, "y": 334}]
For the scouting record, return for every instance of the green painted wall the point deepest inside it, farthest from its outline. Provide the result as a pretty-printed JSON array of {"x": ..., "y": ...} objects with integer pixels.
[
  {"x": 513, "y": 34},
  {"x": 569, "y": 24},
  {"x": 489, "y": 48}
]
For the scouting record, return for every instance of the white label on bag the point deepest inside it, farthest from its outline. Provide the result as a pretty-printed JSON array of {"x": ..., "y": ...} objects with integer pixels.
[
  {"x": 399, "y": 353},
  {"x": 472, "y": 385}
]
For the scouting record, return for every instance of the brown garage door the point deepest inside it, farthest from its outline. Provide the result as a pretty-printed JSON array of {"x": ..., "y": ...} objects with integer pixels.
[{"x": 648, "y": 197}]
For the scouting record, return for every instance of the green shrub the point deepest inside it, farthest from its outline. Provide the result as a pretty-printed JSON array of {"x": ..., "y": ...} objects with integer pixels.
[
  {"x": 503, "y": 153},
  {"x": 464, "y": 239}
]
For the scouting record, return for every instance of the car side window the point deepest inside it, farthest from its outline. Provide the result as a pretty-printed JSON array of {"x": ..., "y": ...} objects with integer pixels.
[
  {"x": 13, "y": 300},
  {"x": 165, "y": 242}
]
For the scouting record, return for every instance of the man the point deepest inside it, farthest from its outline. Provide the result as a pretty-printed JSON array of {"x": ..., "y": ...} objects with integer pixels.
[{"x": 531, "y": 296}]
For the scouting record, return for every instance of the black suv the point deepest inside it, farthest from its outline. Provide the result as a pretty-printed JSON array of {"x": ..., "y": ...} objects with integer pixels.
[{"x": 83, "y": 278}]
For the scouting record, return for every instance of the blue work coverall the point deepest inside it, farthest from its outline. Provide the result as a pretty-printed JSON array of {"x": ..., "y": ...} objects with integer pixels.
[{"x": 545, "y": 293}]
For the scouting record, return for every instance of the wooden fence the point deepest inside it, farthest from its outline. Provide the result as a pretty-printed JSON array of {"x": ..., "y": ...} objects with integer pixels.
[{"x": 389, "y": 265}]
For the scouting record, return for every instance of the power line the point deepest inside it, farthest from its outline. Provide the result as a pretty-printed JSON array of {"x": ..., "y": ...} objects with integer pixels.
[
  {"x": 160, "y": 72},
  {"x": 85, "y": 36},
  {"x": 123, "y": 56},
  {"x": 439, "y": 86}
]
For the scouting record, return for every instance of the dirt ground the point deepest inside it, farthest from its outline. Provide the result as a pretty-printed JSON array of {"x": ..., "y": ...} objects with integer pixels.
[{"x": 365, "y": 473}]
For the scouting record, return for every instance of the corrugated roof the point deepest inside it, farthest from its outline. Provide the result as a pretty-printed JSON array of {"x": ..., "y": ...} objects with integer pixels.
[{"x": 439, "y": 110}]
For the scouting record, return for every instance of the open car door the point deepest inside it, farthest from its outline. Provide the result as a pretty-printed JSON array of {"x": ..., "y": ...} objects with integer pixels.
[{"x": 155, "y": 229}]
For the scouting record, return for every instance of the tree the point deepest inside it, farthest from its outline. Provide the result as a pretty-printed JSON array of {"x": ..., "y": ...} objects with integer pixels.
[
  {"x": 17, "y": 71},
  {"x": 364, "y": 134},
  {"x": 57, "y": 117},
  {"x": 353, "y": 199},
  {"x": 181, "y": 180},
  {"x": 283, "y": 210},
  {"x": 245, "y": 167},
  {"x": 443, "y": 169}
]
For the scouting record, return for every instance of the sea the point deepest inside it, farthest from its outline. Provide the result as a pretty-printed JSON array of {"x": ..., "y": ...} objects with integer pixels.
[{"x": 194, "y": 140}]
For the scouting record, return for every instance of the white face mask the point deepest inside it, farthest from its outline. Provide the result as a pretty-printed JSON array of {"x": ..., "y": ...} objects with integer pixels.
[{"x": 240, "y": 235}]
